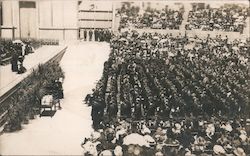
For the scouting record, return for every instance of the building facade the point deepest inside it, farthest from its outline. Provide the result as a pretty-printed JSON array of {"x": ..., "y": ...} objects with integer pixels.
[{"x": 52, "y": 19}]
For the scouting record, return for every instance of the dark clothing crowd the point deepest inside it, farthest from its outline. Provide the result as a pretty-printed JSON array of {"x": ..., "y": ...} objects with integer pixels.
[
  {"x": 15, "y": 52},
  {"x": 183, "y": 137},
  {"x": 150, "y": 18},
  {"x": 168, "y": 77},
  {"x": 155, "y": 74},
  {"x": 231, "y": 18},
  {"x": 99, "y": 35}
]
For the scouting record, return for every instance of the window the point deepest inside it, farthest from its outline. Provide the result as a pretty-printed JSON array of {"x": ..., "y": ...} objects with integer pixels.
[{"x": 27, "y": 4}]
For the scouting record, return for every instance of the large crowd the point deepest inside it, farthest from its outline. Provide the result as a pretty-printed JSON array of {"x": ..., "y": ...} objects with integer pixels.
[
  {"x": 163, "y": 78},
  {"x": 230, "y": 18},
  {"x": 165, "y": 74},
  {"x": 186, "y": 137},
  {"x": 150, "y": 18},
  {"x": 226, "y": 18}
]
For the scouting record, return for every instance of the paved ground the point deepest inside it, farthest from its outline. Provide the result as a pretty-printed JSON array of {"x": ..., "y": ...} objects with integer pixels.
[{"x": 63, "y": 133}]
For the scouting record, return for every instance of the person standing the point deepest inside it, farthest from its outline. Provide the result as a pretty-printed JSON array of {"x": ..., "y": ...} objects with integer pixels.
[
  {"x": 85, "y": 34},
  {"x": 28, "y": 49},
  {"x": 90, "y": 35},
  {"x": 21, "y": 55},
  {"x": 14, "y": 59},
  {"x": 96, "y": 33}
]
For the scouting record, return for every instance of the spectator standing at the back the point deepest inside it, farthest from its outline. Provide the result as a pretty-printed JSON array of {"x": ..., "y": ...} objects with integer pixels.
[{"x": 90, "y": 35}]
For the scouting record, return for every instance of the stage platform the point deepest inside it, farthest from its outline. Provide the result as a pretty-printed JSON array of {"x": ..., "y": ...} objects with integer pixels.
[{"x": 9, "y": 79}]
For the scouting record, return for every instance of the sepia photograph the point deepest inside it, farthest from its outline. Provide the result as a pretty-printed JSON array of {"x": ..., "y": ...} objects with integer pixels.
[{"x": 125, "y": 77}]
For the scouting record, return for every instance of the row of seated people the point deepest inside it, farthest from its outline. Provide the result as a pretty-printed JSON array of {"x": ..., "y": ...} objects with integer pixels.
[
  {"x": 165, "y": 76},
  {"x": 185, "y": 137},
  {"x": 231, "y": 18},
  {"x": 151, "y": 18}
]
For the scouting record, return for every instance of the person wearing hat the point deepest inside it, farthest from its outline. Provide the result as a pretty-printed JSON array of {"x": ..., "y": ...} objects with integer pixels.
[
  {"x": 14, "y": 59},
  {"x": 106, "y": 153},
  {"x": 219, "y": 150},
  {"x": 177, "y": 129},
  {"x": 96, "y": 34},
  {"x": 90, "y": 34},
  {"x": 137, "y": 151},
  {"x": 28, "y": 48},
  {"x": 118, "y": 151},
  {"x": 210, "y": 130},
  {"x": 145, "y": 130},
  {"x": 239, "y": 152},
  {"x": 85, "y": 34}
]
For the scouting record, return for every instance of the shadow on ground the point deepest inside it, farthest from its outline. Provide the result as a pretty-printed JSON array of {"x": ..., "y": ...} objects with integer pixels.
[{"x": 48, "y": 113}]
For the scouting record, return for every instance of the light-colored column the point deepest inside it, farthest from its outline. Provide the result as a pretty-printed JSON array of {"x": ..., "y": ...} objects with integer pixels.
[
  {"x": 15, "y": 18},
  {"x": 7, "y": 13},
  {"x": 7, "y": 19},
  {"x": 45, "y": 13},
  {"x": 70, "y": 19}
]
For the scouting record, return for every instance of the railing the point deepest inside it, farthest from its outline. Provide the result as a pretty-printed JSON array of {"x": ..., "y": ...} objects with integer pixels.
[{"x": 6, "y": 98}]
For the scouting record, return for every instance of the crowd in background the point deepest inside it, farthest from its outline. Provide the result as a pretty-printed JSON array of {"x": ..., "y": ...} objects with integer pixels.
[
  {"x": 230, "y": 17},
  {"x": 167, "y": 77},
  {"x": 14, "y": 51},
  {"x": 150, "y": 18},
  {"x": 99, "y": 35}
]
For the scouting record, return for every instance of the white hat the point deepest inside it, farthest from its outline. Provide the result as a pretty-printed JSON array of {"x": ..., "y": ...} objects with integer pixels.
[
  {"x": 145, "y": 130},
  {"x": 149, "y": 139},
  {"x": 239, "y": 152},
  {"x": 188, "y": 153},
  {"x": 243, "y": 137},
  {"x": 96, "y": 135},
  {"x": 219, "y": 149},
  {"x": 158, "y": 147},
  {"x": 120, "y": 132},
  {"x": 60, "y": 79},
  {"x": 177, "y": 126},
  {"x": 228, "y": 127},
  {"x": 106, "y": 153},
  {"x": 158, "y": 154},
  {"x": 118, "y": 151},
  {"x": 210, "y": 129}
]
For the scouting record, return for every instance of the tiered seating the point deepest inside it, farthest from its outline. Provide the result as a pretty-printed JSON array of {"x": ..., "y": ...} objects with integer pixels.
[
  {"x": 155, "y": 77},
  {"x": 230, "y": 17},
  {"x": 150, "y": 18}
]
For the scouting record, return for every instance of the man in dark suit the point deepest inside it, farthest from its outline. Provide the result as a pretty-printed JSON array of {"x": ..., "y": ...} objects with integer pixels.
[
  {"x": 96, "y": 32},
  {"x": 14, "y": 59},
  {"x": 90, "y": 35},
  {"x": 85, "y": 34}
]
